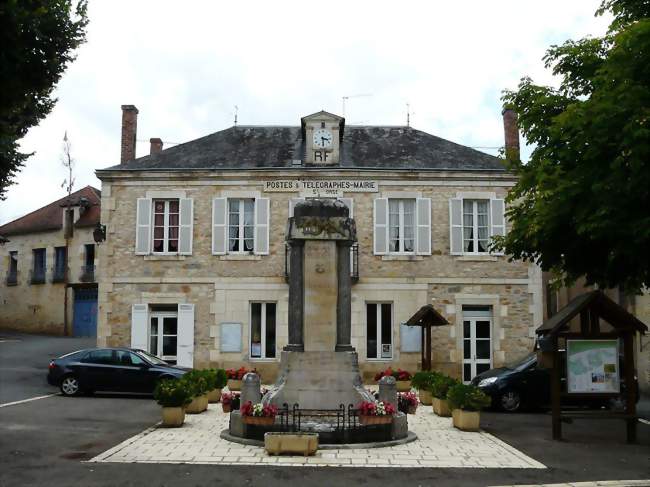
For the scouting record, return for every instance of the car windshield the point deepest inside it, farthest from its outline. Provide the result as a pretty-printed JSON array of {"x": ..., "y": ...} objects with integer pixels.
[
  {"x": 152, "y": 358},
  {"x": 523, "y": 362}
]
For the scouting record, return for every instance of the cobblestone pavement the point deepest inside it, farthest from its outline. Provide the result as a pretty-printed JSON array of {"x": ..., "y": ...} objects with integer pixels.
[
  {"x": 601, "y": 483},
  {"x": 438, "y": 445}
]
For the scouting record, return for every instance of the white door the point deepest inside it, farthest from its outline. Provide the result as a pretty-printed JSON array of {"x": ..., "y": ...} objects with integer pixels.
[
  {"x": 163, "y": 336},
  {"x": 477, "y": 342}
]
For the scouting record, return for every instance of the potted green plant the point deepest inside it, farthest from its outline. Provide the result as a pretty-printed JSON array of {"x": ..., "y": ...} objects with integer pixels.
[
  {"x": 198, "y": 387},
  {"x": 258, "y": 414},
  {"x": 173, "y": 396},
  {"x": 423, "y": 381},
  {"x": 216, "y": 381},
  {"x": 230, "y": 401},
  {"x": 466, "y": 402},
  {"x": 402, "y": 378},
  {"x": 439, "y": 388},
  {"x": 375, "y": 412}
]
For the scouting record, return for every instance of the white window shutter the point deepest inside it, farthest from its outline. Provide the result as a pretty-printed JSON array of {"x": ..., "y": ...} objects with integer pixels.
[
  {"x": 219, "y": 226},
  {"x": 423, "y": 218},
  {"x": 185, "y": 336},
  {"x": 185, "y": 226},
  {"x": 261, "y": 234},
  {"x": 292, "y": 204},
  {"x": 380, "y": 218},
  {"x": 456, "y": 226},
  {"x": 349, "y": 202},
  {"x": 139, "y": 329},
  {"x": 143, "y": 227},
  {"x": 497, "y": 219}
]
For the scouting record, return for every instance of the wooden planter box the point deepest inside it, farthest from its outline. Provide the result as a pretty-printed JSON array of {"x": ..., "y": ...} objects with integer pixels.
[
  {"x": 214, "y": 396},
  {"x": 466, "y": 420},
  {"x": 425, "y": 397},
  {"x": 173, "y": 417},
  {"x": 441, "y": 407},
  {"x": 259, "y": 420},
  {"x": 403, "y": 385},
  {"x": 367, "y": 420},
  {"x": 297, "y": 443},
  {"x": 234, "y": 385},
  {"x": 198, "y": 405}
]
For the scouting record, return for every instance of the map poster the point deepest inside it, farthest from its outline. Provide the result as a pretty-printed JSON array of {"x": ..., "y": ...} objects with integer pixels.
[{"x": 592, "y": 366}]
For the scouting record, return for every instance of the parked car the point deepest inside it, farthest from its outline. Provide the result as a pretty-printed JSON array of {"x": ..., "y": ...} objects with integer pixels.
[
  {"x": 109, "y": 369},
  {"x": 524, "y": 385}
]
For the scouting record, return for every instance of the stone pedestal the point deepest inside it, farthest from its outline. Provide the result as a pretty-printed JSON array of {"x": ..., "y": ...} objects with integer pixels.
[
  {"x": 250, "y": 389},
  {"x": 318, "y": 380},
  {"x": 320, "y": 295}
]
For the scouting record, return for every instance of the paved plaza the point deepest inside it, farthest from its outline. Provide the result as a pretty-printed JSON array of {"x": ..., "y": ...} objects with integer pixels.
[{"x": 439, "y": 444}]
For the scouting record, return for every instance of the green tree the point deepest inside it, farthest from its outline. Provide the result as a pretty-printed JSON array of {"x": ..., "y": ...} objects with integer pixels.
[
  {"x": 581, "y": 206},
  {"x": 38, "y": 38}
]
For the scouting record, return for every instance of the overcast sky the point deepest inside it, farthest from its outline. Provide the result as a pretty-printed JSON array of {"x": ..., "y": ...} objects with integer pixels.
[{"x": 185, "y": 65}]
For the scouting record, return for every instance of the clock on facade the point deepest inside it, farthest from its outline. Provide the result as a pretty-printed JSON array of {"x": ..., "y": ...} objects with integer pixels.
[{"x": 322, "y": 138}]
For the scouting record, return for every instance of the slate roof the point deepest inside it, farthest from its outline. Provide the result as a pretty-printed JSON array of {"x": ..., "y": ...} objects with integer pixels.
[
  {"x": 50, "y": 217},
  {"x": 363, "y": 147}
]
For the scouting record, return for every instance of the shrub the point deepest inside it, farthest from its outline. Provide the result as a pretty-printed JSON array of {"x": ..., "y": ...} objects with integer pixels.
[
  {"x": 467, "y": 397},
  {"x": 172, "y": 393},
  {"x": 424, "y": 380},
  {"x": 216, "y": 378},
  {"x": 196, "y": 382},
  {"x": 441, "y": 385}
]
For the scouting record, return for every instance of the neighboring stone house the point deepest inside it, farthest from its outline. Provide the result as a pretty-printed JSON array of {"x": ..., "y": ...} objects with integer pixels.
[
  {"x": 48, "y": 267},
  {"x": 193, "y": 268}
]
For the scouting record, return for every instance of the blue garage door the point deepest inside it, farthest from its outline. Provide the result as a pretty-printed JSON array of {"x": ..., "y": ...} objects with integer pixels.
[{"x": 85, "y": 313}]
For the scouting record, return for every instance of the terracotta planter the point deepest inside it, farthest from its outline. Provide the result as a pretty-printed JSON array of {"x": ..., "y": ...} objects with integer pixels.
[
  {"x": 466, "y": 420},
  {"x": 234, "y": 385},
  {"x": 371, "y": 420},
  {"x": 441, "y": 407},
  {"x": 403, "y": 385},
  {"x": 297, "y": 443},
  {"x": 214, "y": 396},
  {"x": 425, "y": 397},
  {"x": 173, "y": 417},
  {"x": 226, "y": 407},
  {"x": 198, "y": 405},
  {"x": 259, "y": 420}
]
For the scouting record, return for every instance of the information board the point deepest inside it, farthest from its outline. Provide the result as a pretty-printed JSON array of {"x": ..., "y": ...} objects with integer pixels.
[
  {"x": 592, "y": 366},
  {"x": 410, "y": 338},
  {"x": 230, "y": 337}
]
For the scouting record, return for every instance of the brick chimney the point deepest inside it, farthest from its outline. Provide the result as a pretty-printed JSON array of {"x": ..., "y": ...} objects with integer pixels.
[
  {"x": 156, "y": 145},
  {"x": 511, "y": 132},
  {"x": 129, "y": 131}
]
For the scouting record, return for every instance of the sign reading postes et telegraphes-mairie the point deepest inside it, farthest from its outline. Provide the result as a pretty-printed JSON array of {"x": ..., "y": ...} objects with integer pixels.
[{"x": 321, "y": 185}]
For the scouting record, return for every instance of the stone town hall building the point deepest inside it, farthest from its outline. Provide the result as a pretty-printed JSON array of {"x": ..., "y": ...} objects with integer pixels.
[{"x": 194, "y": 264}]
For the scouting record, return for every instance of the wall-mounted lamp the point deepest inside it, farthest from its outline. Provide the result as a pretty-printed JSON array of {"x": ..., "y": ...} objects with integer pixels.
[{"x": 99, "y": 233}]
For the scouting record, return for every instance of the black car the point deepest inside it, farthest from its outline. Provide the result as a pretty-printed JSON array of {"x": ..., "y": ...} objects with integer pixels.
[
  {"x": 109, "y": 369},
  {"x": 524, "y": 385}
]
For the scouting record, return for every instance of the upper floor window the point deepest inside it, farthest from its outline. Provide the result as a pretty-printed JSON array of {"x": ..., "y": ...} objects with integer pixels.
[
  {"x": 475, "y": 226},
  {"x": 165, "y": 226},
  {"x": 12, "y": 274},
  {"x": 38, "y": 268},
  {"x": 241, "y": 225},
  {"x": 401, "y": 225},
  {"x": 473, "y": 223},
  {"x": 60, "y": 264}
]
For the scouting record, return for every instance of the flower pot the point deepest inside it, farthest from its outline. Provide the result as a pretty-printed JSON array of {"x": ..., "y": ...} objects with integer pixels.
[
  {"x": 173, "y": 417},
  {"x": 204, "y": 402},
  {"x": 367, "y": 420},
  {"x": 441, "y": 407},
  {"x": 425, "y": 397},
  {"x": 466, "y": 420},
  {"x": 198, "y": 405},
  {"x": 403, "y": 385},
  {"x": 411, "y": 409},
  {"x": 259, "y": 420},
  {"x": 226, "y": 407},
  {"x": 214, "y": 396},
  {"x": 234, "y": 385},
  {"x": 276, "y": 443}
]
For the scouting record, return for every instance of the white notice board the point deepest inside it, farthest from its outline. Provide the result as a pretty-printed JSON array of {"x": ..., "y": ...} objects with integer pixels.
[
  {"x": 230, "y": 337},
  {"x": 410, "y": 338}
]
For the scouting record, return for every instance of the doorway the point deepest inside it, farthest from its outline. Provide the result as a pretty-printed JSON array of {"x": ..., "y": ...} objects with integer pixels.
[
  {"x": 477, "y": 341},
  {"x": 163, "y": 335}
]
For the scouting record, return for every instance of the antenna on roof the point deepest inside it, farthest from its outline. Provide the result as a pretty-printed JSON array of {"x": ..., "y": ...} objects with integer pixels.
[
  {"x": 343, "y": 98},
  {"x": 236, "y": 110},
  {"x": 408, "y": 114}
]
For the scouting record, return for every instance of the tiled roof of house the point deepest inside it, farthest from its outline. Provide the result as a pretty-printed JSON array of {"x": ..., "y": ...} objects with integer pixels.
[
  {"x": 362, "y": 147},
  {"x": 50, "y": 217}
]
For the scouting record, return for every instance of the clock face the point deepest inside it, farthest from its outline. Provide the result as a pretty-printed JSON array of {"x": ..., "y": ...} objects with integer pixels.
[{"x": 322, "y": 138}]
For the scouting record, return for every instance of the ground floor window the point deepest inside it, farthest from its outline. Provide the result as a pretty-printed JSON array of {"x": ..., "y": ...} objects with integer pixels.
[
  {"x": 379, "y": 330},
  {"x": 262, "y": 332},
  {"x": 163, "y": 336},
  {"x": 477, "y": 340}
]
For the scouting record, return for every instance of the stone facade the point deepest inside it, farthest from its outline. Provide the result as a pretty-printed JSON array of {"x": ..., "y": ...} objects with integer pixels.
[{"x": 221, "y": 287}]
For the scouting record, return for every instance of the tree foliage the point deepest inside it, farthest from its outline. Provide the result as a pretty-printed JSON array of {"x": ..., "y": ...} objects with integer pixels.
[
  {"x": 581, "y": 207},
  {"x": 38, "y": 39}
]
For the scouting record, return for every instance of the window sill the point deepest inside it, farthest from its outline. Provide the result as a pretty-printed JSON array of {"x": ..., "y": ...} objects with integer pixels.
[
  {"x": 267, "y": 360},
  {"x": 240, "y": 257},
  {"x": 379, "y": 360},
  {"x": 478, "y": 258},
  {"x": 404, "y": 257},
  {"x": 164, "y": 257}
]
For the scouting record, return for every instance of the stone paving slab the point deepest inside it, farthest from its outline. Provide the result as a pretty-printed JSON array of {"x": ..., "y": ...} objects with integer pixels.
[
  {"x": 598, "y": 483},
  {"x": 439, "y": 444}
]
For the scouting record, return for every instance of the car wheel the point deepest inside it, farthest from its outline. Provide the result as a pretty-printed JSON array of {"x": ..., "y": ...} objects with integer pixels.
[
  {"x": 510, "y": 401},
  {"x": 70, "y": 385}
]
